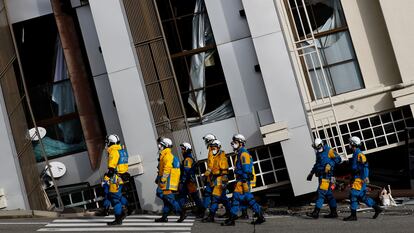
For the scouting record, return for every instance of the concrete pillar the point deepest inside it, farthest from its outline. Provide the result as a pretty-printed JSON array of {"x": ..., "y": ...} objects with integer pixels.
[
  {"x": 129, "y": 94},
  {"x": 281, "y": 86}
]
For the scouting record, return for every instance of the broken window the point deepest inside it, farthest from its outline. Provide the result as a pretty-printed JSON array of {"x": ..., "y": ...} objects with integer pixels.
[
  {"x": 196, "y": 61},
  {"x": 329, "y": 61},
  {"x": 49, "y": 87}
]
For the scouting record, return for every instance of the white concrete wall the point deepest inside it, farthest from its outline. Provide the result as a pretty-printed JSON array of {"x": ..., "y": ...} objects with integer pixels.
[
  {"x": 372, "y": 43},
  {"x": 282, "y": 89},
  {"x": 129, "y": 93},
  {"x": 20, "y": 10},
  {"x": 400, "y": 25},
  {"x": 11, "y": 179}
]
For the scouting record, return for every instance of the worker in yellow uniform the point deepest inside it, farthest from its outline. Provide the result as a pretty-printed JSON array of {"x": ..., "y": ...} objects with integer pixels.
[
  {"x": 207, "y": 197},
  {"x": 168, "y": 180},
  {"x": 219, "y": 169},
  {"x": 118, "y": 163},
  {"x": 115, "y": 176}
]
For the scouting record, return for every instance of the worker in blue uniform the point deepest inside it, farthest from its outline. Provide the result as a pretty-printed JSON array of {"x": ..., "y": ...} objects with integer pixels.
[
  {"x": 360, "y": 176},
  {"x": 326, "y": 159},
  {"x": 115, "y": 198},
  {"x": 244, "y": 175},
  {"x": 168, "y": 180},
  {"x": 188, "y": 185}
]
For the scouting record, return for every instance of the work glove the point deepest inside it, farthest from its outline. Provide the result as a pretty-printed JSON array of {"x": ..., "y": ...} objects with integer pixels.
[
  {"x": 309, "y": 177},
  {"x": 251, "y": 177},
  {"x": 366, "y": 180}
]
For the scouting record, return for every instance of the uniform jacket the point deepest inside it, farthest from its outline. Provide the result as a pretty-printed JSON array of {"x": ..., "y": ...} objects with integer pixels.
[
  {"x": 169, "y": 171},
  {"x": 118, "y": 158}
]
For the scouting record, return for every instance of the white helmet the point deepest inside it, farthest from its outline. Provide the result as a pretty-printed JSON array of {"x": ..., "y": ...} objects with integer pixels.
[
  {"x": 317, "y": 144},
  {"x": 112, "y": 139},
  {"x": 185, "y": 147},
  {"x": 239, "y": 138},
  {"x": 355, "y": 141},
  {"x": 216, "y": 143},
  {"x": 165, "y": 143},
  {"x": 209, "y": 138}
]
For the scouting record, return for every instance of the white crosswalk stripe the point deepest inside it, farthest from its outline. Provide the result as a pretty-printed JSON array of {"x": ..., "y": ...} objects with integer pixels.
[{"x": 133, "y": 223}]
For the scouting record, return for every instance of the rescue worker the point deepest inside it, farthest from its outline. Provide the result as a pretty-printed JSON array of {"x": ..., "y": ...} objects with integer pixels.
[
  {"x": 207, "y": 197},
  {"x": 106, "y": 203},
  {"x": 115, "y": 197},
  {"x": 243, "y": 206},
  {"x": 218, "y": 176},
  {"x": 244, "y": 175},
  {"x": 188, "y": 185},
  {"x": 118, "y": 164},
  {"x": 168, "y": 180},
  {"x": 326, "y": 159},
  {"x": 360, "y": 173}
]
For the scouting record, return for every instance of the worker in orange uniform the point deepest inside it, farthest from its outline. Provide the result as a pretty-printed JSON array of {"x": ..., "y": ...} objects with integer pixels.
[{"x": 219, "y": 169}]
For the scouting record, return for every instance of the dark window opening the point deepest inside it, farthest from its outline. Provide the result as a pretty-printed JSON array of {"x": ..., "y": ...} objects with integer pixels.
[
  {"x": 196, "y": 61},
  {"x": 49, "y": 87}
]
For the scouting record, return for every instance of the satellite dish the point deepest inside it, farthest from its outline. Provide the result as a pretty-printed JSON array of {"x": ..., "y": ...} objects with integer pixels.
[
  {"x": 58, "y": 169},
  {"x": 34, "y": 136}
]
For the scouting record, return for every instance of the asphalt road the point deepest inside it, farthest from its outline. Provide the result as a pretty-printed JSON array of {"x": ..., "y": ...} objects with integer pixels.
[{"x": 384, "y": 223}]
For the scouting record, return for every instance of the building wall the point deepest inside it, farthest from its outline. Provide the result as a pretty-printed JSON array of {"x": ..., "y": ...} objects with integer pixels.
[
  {"x": 20, "y": 10},
  {"x": 400, "y": 28},
  {"x": 372, "y": 43},
  {"x": 10, "y": 173},
  {"x": 375, "y": 56}
]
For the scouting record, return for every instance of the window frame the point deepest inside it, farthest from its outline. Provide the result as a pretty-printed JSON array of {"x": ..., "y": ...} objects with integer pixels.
[{"x": 318, "y": 35}]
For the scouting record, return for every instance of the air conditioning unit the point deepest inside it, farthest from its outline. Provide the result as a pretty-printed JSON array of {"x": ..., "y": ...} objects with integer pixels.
[{"x": 135, "y": 167}]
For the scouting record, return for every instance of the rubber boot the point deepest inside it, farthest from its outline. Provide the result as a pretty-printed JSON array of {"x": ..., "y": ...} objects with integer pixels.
[
  {"x": 200, "y": 212},
  {"x": 230, "y": 221},
  {"x": 117, "y": 221},
  {"x": 104, "y": 212},
  {"x": 260, "y": 219},
  {"x": 351, "y": 217},
  {"x": 244, "y": 215},
  {"x": 225, "y": 215},
  {"x": 209, "y": 218},
  {"x": 123, "y": 215},
  {"x": 164, "y": 218},
  {"x": 314, "y": 214},
  {"x": 332, "y": 214},
  {"x": 130, "y": 210},
  {"x": 378, "y": 210},
  {"x": 182, "y": 216}
]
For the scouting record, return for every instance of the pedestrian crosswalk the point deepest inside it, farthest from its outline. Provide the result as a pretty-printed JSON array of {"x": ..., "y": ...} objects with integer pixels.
[{"x": 133, "y": 223}]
